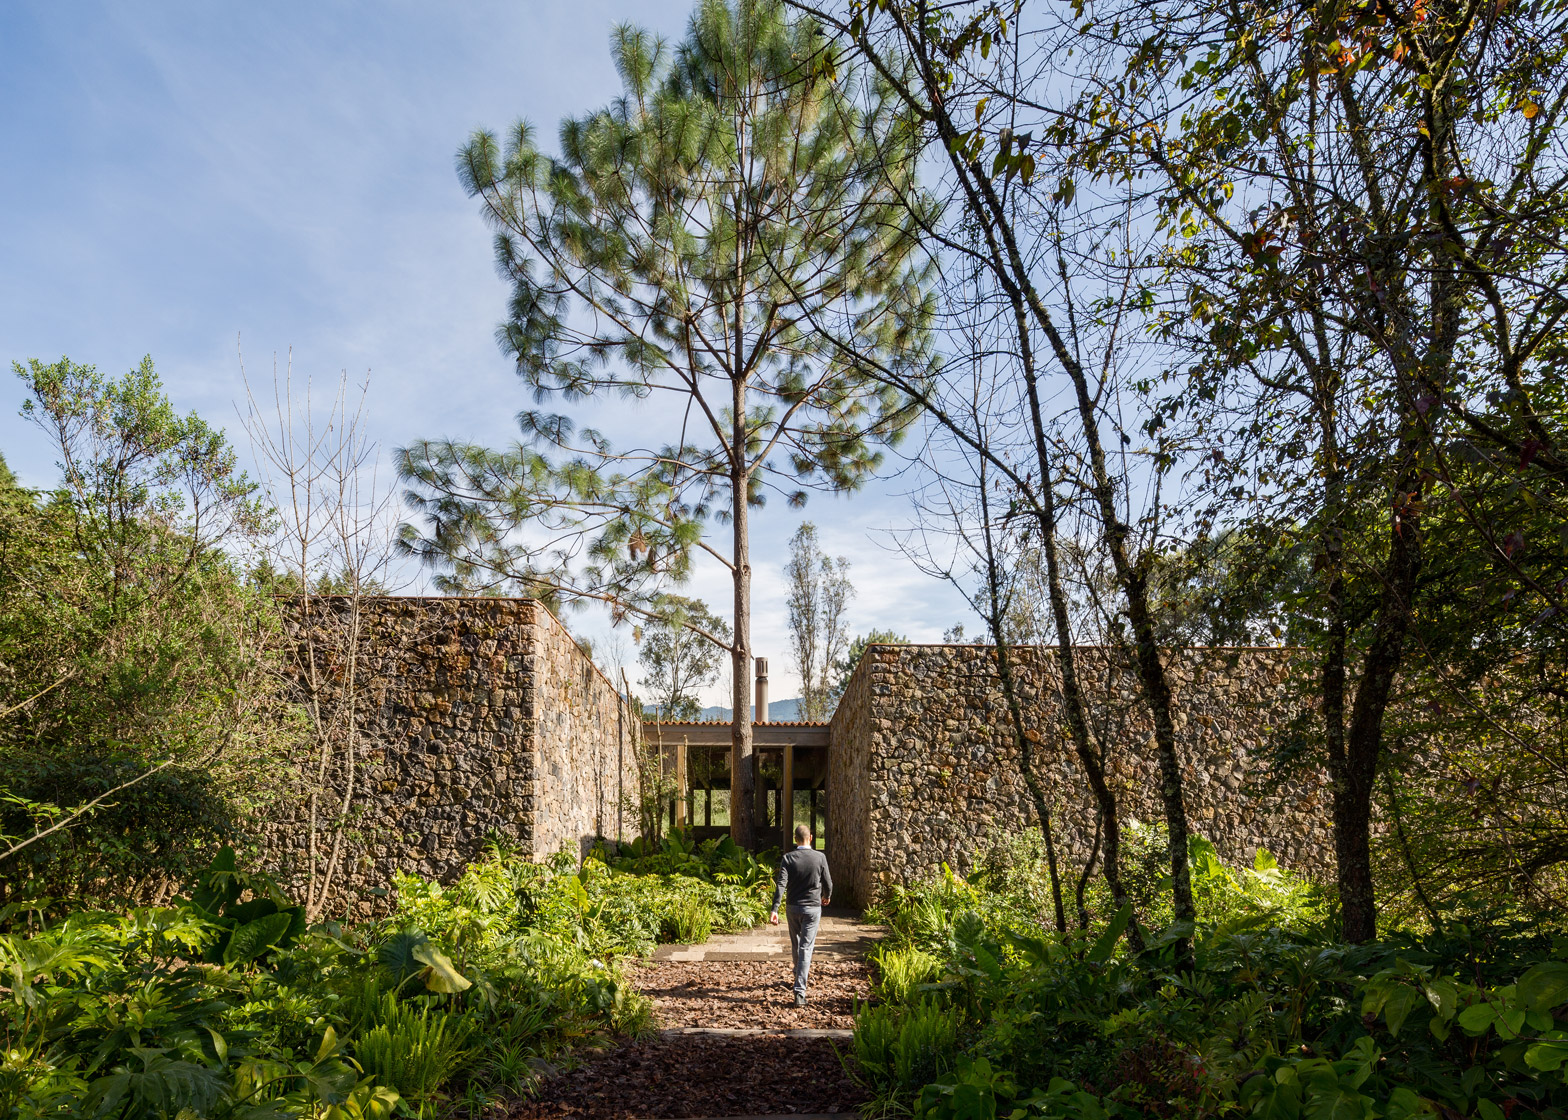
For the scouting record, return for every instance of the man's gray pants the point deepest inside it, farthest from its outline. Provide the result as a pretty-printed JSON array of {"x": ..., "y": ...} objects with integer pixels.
[{"x": 803, "y": 921}]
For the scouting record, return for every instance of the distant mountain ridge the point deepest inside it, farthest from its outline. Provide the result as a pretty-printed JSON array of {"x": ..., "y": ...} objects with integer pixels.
[{"x": 777, "y": 710}]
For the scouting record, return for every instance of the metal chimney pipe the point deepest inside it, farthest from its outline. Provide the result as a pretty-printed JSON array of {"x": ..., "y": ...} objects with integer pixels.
[{"x": 760, "y": 715}]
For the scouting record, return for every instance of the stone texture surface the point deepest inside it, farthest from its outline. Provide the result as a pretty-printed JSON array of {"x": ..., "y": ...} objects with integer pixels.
[
  {"x": 854, "y": 735},
  {"x": 924, "y": 732},
  {"x": 481, "y": 718},
  {"x": 585, "y": 772},
  {"x": 478, "y": 718}
]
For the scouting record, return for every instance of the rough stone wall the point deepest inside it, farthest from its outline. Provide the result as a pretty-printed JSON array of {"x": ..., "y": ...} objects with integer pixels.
[
  {"x": 585, "y": 748},
  {"x": 849, "y": 785},
  {"x": 942, "y": 774},
  {"x": 476, "y": 718}
]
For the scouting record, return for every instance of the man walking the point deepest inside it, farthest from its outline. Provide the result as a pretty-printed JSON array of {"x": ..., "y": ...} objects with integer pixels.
[{"x": 805, "y": 886}]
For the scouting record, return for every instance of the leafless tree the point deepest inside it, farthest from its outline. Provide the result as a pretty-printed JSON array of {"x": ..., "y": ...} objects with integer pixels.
[{"x": 333, "y": 546}]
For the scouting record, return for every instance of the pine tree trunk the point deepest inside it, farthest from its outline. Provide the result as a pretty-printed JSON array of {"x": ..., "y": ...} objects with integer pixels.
[{"x": 742, "y": 748}]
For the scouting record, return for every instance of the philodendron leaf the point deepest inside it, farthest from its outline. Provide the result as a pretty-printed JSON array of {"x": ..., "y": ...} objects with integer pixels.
[
  {"x": 1402, "y": 1000},
  {"x": 1105, "y": 945},
  {"x": 397, "y": 953},
  {"x": 253, "y": 939},
  {"x": 297, "y": 926},
  {"x": 440, "y": 974}
]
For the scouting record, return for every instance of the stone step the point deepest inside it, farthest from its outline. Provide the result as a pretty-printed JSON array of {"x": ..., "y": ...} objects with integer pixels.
[{"x": 747, "y": 1032}]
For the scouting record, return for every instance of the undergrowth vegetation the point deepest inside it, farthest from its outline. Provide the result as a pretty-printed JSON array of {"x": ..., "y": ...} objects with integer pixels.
[
  {"x": 981, "y": 1013},
  {"x": 226, "y": 1005}
]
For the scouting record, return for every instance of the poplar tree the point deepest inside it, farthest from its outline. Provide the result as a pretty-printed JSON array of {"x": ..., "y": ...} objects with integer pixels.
[
  {"x": 819, "y": 592},
  {"x": 686, "y": 246}
]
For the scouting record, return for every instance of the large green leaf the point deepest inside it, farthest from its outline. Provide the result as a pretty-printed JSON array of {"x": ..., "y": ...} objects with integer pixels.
[
  {"x": 1402, "y": 1000},
  {"x": 297, "y": 926},
  {"x": 1106, "y": 944},
  {"x": 249, "y": 911},
  {"x": 219, "y": 885},
  {"x": 1275, "y": 1101},
  {"x": 1544, "y": 987},
  {"x": 1547, "y": 1055},
  {"x": 1339, "y": 1104},
  {"x": 1477, "y": 1017},
  {"x": 440, "y": 974},
  {"x": 253, "y": 939},
  {"x": 396, "y": 953}
]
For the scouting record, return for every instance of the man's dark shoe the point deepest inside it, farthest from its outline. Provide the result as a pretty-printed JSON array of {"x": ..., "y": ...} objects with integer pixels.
[{"x": 800, "y": 1001}]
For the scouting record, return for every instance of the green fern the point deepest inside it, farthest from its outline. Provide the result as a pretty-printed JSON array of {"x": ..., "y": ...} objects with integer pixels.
[
  {"x": 900, "y": 972},
  {"x": 689, "y": 921},
  {"x": 414, "y": 1050}
]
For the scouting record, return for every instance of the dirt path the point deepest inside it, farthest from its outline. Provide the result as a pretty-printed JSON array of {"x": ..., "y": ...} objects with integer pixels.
[
  {"x": 742, "y": 981},
  {"x": 731, "y": 1041}
]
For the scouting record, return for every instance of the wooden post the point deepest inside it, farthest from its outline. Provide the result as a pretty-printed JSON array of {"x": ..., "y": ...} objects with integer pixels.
[
  {"x": 680, "y": 783},
  {"x": 814, "y": 831},
  {"x": 762, "y": 797},
  {"x": 787, "y": 799}
]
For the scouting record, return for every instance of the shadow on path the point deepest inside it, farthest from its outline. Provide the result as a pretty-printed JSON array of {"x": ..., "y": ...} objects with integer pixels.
[{"x": 731, "y": 1043}]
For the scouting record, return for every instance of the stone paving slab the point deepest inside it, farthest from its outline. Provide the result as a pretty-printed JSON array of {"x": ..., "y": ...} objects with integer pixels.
[
  {"x": 754, "y": 1032},
  {"x": 840, "y": 934}
]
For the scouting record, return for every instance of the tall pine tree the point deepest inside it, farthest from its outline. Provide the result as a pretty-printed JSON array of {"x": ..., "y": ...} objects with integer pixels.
[{"x": 719, "y": 238}]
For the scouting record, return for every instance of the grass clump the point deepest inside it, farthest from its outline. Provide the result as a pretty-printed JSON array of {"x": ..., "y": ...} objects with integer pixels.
[{"x": 901, "y": 1049}]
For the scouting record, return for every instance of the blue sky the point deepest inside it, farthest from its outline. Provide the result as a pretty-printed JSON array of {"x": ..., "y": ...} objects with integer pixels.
[{"x": 179, "y": 179}]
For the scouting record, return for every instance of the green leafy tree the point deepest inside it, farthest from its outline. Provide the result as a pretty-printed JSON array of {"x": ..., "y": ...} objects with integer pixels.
[
  {"x": 677, "y": 661},
  {"x": 7, "y": 478},
  {"x": 138, "y": 703},
  {"x": 1367, "y": 270},
  {"x": 686, "y": 250}
]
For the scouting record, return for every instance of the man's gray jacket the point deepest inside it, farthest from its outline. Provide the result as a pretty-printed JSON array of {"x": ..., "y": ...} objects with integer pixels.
[{"x": 803, "y": 878}]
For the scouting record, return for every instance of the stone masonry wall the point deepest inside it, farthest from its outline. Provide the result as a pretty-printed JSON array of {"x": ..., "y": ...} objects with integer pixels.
[
  {"x": 941, "y": 767},
  {"x": 476, "y": 718},
  {"x": 849, "y": 786},
  {"x": 585, "y": 747}
]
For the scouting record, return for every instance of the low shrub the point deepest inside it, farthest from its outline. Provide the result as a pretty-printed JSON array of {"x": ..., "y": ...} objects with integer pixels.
[
  {"x": 220, "y": 1007},
  {"x": 1273, "y": 1019},
  {"x": 715, "y": 861}
]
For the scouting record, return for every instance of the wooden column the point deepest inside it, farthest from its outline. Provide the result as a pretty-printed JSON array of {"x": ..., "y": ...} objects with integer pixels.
[
  {"x": 762, "y": 796},
  {"x": 787, "y": 799},
  {"x": 680, "y": 783}
]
